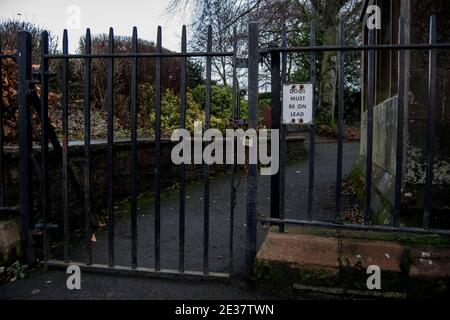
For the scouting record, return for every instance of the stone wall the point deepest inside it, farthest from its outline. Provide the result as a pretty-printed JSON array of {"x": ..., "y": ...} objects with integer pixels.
[
  {"x": 417, "y": 14},
  {"x": 384, "y": 157},
  {"x": 419, "y": 21},
  {"x": 122, "y": 157},
  {"x": 312, "y": 261}
]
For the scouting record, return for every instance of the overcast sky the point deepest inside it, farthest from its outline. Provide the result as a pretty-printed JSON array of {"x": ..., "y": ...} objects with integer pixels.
[{"x": 99, "y": 15}]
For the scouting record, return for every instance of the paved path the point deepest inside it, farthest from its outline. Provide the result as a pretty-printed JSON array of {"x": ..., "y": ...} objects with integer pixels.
[{"x": 99, "y": 286}]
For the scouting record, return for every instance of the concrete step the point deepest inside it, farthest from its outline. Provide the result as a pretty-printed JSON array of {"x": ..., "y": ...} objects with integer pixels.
[{"x": 332, "y": 262}]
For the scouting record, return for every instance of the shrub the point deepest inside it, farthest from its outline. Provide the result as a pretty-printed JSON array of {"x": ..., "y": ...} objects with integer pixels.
[
  {"x": 221, "y": 101},
  {"x": 122, "y": 73},
  {"x": 170, "y": 111},
  {"x": 9, "y": 35}
]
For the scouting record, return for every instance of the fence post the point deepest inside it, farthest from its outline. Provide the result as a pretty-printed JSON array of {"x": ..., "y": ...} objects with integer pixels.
[
  {"x": 253, "y": 68},
  {"x": 431, "y": 119},
  {"x": 24, "y": 70},
  {"x": 369, "y": 138},
  {"x": 275, "y": 77},
  {"x": 283, "y": 133},
  {"x": 2, "y": 164}
]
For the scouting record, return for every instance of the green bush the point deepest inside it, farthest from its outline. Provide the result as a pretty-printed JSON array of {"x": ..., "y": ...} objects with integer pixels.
[
  {"x": 170, "y": 111},
  {"x": 264, "y": 102},
  {"x": 221, "y": 107},
  {"x": 221, "y": 101}
]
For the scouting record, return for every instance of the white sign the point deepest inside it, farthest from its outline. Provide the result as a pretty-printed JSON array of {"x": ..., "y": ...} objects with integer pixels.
[{"x": 298, "y": 103}]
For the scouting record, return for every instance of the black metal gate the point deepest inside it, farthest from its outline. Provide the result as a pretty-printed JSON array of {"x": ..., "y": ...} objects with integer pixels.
[
  {"x": 29, "y": 99},
  {"x": 278, "y": 194},
  {"x": 278, "y": 77}
]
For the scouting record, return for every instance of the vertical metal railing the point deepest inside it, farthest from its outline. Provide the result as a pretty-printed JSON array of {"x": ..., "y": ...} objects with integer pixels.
[
  {"x": 158, "y": 152},
  {"x": 283, "y": 149},
  {"x": 278, "y": 73},
  {"x": 2, "y": 163},
  {"x": 110, "y": 152},
  {"x": 45, "y": 181},
  {"x": 341, "y": 83},
  {"x": 87, "y": 148},
  {"x": 234, "y": 168},
  {"x": 371, "y": 48},
  {"x": 26, "y": 204},
  {"x": 253, "y": 88},
  {"x": 369, "y": 130},
  {"x": 48, "y": 135},
  {"x": 182, "y": 172},
  {"x": 235, "y": 95},
  {"x": 206, "y": 186},
  {"x": 312, "y": 127},
  {"x": 65, "y": 151},
  {"x": 400, "y": 123},
  {"x": 431, "y": 115},
  {"x": 133, "y": 168},
  {"x": 275, "y": 76}
]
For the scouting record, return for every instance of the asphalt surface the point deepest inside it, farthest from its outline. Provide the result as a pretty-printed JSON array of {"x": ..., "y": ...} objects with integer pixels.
[{"x": 52, "y": 284}]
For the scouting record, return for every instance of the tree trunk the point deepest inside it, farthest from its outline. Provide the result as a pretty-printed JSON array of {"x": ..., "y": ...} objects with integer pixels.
[{"x": 327, "y": 100}]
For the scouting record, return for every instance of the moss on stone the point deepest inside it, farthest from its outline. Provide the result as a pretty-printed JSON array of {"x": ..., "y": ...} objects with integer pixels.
[
  {"x": 281, "y": 277},
  {"x": 356, "y": 178}
]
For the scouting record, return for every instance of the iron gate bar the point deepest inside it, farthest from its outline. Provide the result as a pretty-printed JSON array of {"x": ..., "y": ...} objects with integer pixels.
[
  {"x": 24, "y": 59},
  {"x": 235, "y": 170},
  {"x": 276, "y": 118},
  {"x": 110, "y": 152},
  {"x": 312, "y": 127},
  {"x": 133, "y": 169},
  {"x": 431, "y": 113},
  {"x": 341, "y": 81},
  {"x": 9, "y": 56},
  {"x": 2, "y": 164},
  {"x": 182, "y": 170},
  {"x": 87, "y": 148},
  {"x": 234, "y": 167},
  {"x": 65, "y": 151},
  {"x": 205, "y": 165},
  {"x": 25, "y": 169},
  {"x": 30, "y": 93},
  {"x": 134, "y": 55},
  {"x": 140, "y": 271},
  {"x": 282, "y": 169},
  {"x": 253, "y": 85},
  {"x": 158, "y": 153},
  {"x": 141, "y": 55},
  {"x": 400, "y": 47},
  {"x": 369, "y": 140},
  {"x": 400, "y": 122},
  {"x": 378, "y": 47},
  {"x": 235, "y": 91},
  {"x": 361, "y": 227},
  {"x": 45, "y": 181}
]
